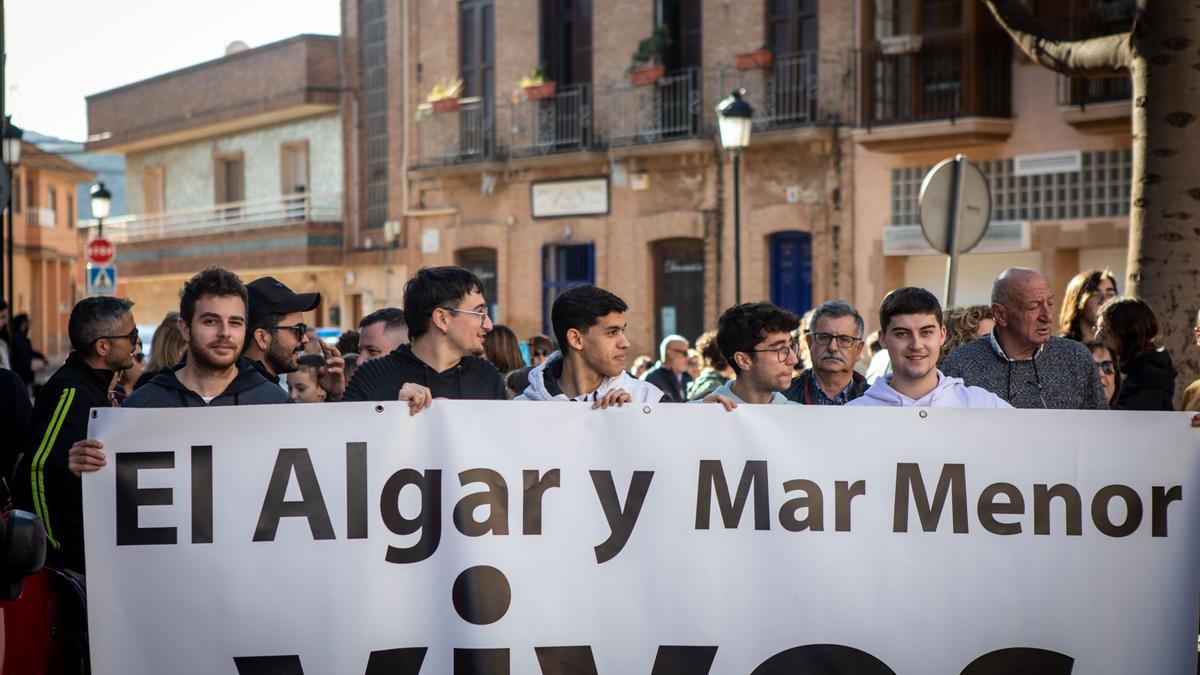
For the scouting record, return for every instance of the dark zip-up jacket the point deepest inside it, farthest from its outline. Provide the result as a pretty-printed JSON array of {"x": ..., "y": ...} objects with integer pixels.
[
  {"x": 248, "y": 388},
  {"x": 1149, "y": 383},
  {"x": 382, "y": 378},
  {"x": 43, "y": 484}
]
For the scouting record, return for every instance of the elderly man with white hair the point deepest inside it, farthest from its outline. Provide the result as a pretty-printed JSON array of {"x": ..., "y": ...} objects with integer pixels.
[
  {"x": 670, "y": 374},
  {"x": 1021, "y": 360}
]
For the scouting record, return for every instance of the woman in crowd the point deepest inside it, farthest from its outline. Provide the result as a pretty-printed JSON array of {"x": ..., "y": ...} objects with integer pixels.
[
  {"x": 964, "y": 324},
  {"x": 303, "y": 384},
  {"x": 1128, "y": 327},
  {"x": 502, "y": 348},
  {"x": 1086, "y": 292},
  {"x": 716, "y": 371},
  {"x": 540, "y": 349},
  {"x": 1110, "y": 372},
  {"x": 127, "y": 379},
  {"x": 166, "y": 349}
]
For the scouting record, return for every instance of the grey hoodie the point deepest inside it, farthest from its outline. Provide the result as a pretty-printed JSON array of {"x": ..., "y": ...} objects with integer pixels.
[
  {"x": 543, "y": 388},
  {"x": 248, "y": 388}
]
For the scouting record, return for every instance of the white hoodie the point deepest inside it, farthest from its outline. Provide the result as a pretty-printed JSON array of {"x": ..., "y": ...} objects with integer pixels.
[
  {"x": 638, "y": 390},
  {"x": 950, "y": 392}
]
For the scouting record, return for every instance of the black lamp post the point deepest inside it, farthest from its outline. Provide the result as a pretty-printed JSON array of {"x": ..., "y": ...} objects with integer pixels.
[
  {"x": 101, "y": 201},
  {"x": 10, "y": 153},
  {"x": 735, "y": 118}
]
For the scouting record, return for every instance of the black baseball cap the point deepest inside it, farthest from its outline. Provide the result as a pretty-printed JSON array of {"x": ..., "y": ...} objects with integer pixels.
[{"x": 268, "y": 295}]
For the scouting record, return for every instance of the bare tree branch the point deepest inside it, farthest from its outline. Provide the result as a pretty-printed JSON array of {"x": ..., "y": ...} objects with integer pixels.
[{"x": 1094, "y": 57}]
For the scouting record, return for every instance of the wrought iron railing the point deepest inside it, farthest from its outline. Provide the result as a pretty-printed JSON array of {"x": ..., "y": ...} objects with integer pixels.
[
  {"x": 231, "y": 217},
  {"x": 41, "y": 216},
  {"x": 916, "y": 78},
  {"x": 783, "y": 95},
  {"x": 561, "y": 123},
  {"x": 664, "y": 110},
  {"x": 1106, "y": 19},
  {"x": 467, "y": 134}
]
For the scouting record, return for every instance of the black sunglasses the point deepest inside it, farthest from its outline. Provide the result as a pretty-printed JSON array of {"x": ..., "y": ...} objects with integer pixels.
[
  {"x": 1106, "y": 367},
  {"x": 541, "y": 352},
  {"x": 299, "y": 330},
  {"x": 139, "y": 357},
  {"x": 132, "y": 337}
]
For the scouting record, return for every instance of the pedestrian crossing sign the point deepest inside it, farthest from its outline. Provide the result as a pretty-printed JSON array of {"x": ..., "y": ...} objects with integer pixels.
[{"x": 101, "y": 280}]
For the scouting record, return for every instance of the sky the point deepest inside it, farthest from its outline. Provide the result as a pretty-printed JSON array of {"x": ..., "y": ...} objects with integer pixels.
[{"x": 60, "y": 51}]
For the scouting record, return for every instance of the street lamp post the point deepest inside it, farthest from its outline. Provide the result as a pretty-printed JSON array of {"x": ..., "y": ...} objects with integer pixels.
[
  {"x": 101, "y": 201},
  {"x": 10, "y": 154},
  {"x": 735, "y": 118}
]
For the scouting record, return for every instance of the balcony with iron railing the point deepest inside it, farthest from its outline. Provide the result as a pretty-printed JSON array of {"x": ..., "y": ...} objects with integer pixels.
[
  {"x": 40, "y": 216},
  {"x": 784, "y": 95},
  {"x": 665, "y": 110},
  {"x": 942, "y": 76},
  {"x": 224, "y": 219},
  {"x": 465, "y": 134},
  {"x": 1106, "y": 19},
  {"x": 564, "y": 122}
]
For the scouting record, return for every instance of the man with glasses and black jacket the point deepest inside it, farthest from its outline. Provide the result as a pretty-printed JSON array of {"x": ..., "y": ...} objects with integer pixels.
[
  {"x": 835, "y": 340},
  {"x": 103, "y": 338},
  {"x": 276, "y": 334},
  {"x": 447, "y": 320}
]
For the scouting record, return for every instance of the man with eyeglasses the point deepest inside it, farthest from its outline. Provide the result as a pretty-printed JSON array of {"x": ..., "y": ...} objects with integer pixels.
[
  {"x": 835, "y": 341},
  {"x": 670, "y": 375},
  {"x": 912, "y": 331},
  {"x": 276, "y": 334},
  {"x": 103, "y": 339},
  {"x": 447, "y": 320},
  {"x": 756, "y": 340}
]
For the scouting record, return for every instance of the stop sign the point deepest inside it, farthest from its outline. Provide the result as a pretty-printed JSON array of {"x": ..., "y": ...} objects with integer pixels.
[{"x": 99, "y": 251}]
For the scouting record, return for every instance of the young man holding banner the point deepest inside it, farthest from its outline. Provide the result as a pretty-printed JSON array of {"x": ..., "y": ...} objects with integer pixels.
[
  {"x": 447, "y": 319},
  {"x": 911, "y": 329},
  {"x": 756, "y": 340},
  {"x": 589, "y": 324}
]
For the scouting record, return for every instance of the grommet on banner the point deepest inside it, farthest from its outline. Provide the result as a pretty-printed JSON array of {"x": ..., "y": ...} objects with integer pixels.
[
  {"x": 923, "y": 414},
  {"x": 378, "y": 408},
  {"x": 94, "y": 413},
  {"x": 647, "y": 409}
]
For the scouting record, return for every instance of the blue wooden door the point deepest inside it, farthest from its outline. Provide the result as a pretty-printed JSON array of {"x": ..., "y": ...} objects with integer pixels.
[{"x": 791, "y": 271}]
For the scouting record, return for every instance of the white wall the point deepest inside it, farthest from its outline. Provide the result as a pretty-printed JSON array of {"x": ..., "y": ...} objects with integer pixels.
[{"x": 189, "y": 166}]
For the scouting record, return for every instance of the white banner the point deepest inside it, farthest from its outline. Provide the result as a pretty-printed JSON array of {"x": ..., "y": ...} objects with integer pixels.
[{"x": 498, "y": 537}]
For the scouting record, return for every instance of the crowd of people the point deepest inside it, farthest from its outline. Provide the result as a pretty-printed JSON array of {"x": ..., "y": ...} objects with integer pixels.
[{"x": 235, "y": 343}]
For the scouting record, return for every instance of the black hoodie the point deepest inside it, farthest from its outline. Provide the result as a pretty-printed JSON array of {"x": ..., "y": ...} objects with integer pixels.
[
  {"x": 248, "y": 388},
  {"x": 1149, "y": 383},
  {"x": 381, "y": 379},
  {"x": 43, "y": 483}
]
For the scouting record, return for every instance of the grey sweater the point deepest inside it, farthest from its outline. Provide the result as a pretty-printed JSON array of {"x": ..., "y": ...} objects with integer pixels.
[{"x": 1061, "y": 375}]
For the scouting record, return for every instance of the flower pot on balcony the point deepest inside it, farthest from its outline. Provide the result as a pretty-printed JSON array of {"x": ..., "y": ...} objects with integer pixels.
[
  {"x": 444, "y": 105},
  {"x": 541, "y": 91},
  {"x": 755, "y": 60},
  {"x": 645, "y": 75}
]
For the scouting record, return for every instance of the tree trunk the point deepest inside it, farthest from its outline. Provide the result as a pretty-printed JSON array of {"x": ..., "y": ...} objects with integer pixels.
[
  {"x": 1164, "y": 223},
  {"x": 1162, "y": 55}
]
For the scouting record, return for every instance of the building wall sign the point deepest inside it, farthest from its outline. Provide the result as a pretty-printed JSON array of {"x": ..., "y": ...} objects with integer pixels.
[{"x": 576, "y": 197}]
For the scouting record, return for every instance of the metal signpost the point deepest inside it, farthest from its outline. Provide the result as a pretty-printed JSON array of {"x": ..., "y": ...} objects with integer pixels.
[
  {"x": 101, "y": 272},
  {"x": 955, "y": 206}
]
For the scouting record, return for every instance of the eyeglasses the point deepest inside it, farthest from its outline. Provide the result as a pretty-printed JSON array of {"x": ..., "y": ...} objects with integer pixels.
[
  {"x": 139, "y": 357},
  {"x": 132, "y": 337},
  {"x": 1106, "y": 367},
  {"x": 782, "y": 352},
  {"x": 299, "y": 330},
  {"x": 677, "y": 350},
  {"x": 843, "y": 341},
  {"x": 541, "y": 353},
  {"x": 483, "y": 316}
]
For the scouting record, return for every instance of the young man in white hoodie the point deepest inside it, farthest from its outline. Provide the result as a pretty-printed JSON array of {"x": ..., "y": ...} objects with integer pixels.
[
  {"x": 589, "y": 323},
  {"x": 911, "y": 330}
]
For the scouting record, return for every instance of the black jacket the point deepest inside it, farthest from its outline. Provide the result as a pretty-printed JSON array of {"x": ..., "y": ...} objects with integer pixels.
[
  {"x": 248, "y": 388},
  {"x": 16, "y": 413},
  {"x": 673, "y": 387},
  {"x": 801, "y": 389},
  {"x": 43, "y": 484},
  {"x": 1149, "y": 383},
  {"x": 382, "y": 378}
]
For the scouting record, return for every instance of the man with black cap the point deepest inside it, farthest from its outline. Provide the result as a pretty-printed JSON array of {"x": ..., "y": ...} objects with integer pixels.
[{"x": 276, "y": 334}]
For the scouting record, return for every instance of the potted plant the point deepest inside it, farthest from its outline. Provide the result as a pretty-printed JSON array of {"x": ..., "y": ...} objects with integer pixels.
[
  {"x": 758, "y": 59},
  {"x": 647, "y": 66},
  {"x": 445, "y": 94},
  {"x": 536, "y": 87}
]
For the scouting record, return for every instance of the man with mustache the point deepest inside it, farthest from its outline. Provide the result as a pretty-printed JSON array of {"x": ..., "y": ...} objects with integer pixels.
[
  {"x": 276, "y": 334},
  {"x": 212, "y": 319},
  {"x": 835, "y": 339},
  {"x": 910, "y": 326},
  {"x": 1022, "y": 361}
]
